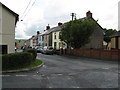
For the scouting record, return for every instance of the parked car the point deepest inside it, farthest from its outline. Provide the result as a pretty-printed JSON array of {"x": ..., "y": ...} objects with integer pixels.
[
  {"x": 39, "y": 49},
  {"x": 48, "y": 50}
]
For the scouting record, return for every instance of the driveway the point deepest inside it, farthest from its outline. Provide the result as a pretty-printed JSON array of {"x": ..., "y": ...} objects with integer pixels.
[{"x": 66, "y": 72}]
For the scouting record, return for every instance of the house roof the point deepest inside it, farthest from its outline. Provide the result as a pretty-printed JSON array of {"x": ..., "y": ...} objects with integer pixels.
[
  {"x": 15, "y": 14},
  {"x": 116, "y": 34},
  {"x": 58, "y": 28},
  {"x": 93, "y": 20},
  {"x": 54, "y": 29}
]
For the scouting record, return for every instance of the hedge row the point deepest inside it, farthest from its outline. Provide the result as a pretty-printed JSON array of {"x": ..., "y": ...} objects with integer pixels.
[
  {"x": 14, "y": 60},
  {"x": 33, "y": 51}
]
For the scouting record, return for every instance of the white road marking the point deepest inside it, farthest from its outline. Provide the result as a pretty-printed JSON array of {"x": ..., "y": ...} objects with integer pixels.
[
  {"x": 59, "y": 74},
  {"x": 34, "y": 75},
  {"x": 21, "y": 75},
  {"x": 5, "y": 75},
  {"x": 105, "y": 68}
]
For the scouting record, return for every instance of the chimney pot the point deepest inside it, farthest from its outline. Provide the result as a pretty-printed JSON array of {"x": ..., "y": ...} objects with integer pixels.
[
  {"x": 38, "y": 32},
  {"x": 59, "y": 24},
  {"x": 47, "y": 27},
  {"x": 89, "y": 14}
]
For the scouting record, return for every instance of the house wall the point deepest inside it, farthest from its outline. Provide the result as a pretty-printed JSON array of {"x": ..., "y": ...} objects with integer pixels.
[
  {"x": 57, "y": 40},
  {"x": 31, "y": 42},
  {"x": 96, "y": 40},
  {"x": 46, "y": 40},
  {"x": 40, "y": 40},
  {"x": 113, "y": 42},
  {"x": 8, "y": 30}
]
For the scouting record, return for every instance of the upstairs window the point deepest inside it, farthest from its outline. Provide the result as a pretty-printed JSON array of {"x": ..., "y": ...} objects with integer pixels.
[{"x": 55, "y": 36}]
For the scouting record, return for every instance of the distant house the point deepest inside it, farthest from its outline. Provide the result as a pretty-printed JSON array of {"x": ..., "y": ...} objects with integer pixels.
[
  {"x": 8, "y": 20},
  {"x": 33, "y": 41},
  {"x": 41, "y": 39},
  {"x": 47, "y": 36},
  {"x": 96, "y": 39},
  {"x": 19, "y": 43},
  {"x": 50, "y": 37},
  {"x": 56, "y": 42},
  {"x": 115, "y": 41}
]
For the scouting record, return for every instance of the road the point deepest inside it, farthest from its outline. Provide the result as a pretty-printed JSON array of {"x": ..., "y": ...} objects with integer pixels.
[{"x": 66, "y": 72}]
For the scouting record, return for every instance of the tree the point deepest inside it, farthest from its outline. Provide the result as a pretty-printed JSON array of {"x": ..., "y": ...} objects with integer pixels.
[
  {"x": 77, "y": 33},
  {"x": 108, "y": 34}
]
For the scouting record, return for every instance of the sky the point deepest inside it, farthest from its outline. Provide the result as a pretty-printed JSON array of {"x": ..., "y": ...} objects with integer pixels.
[{"x": 40, "y": 13}]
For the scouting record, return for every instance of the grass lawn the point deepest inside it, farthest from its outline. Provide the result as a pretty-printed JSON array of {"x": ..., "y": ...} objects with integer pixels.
[{"x": 35, "y": 63}]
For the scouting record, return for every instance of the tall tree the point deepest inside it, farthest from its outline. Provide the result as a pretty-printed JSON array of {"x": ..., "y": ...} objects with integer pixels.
[
  {"x": 76, "y": 33},
  {"x": 108, "y": 34}
]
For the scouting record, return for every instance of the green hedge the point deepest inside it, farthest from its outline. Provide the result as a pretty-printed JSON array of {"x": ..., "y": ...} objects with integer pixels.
[
  {"x": 33, "y": 51},
  {"x": 14, "y": 60}
]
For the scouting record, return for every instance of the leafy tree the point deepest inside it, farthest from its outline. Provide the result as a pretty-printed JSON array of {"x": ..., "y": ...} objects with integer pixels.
[
  {"x": 76, "y": 33},
  {"x": 108, "y": 34}
]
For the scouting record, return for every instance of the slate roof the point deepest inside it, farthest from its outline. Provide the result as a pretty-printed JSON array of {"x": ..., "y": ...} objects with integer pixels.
[
  {"x": 116, "y": 34},
  {"x": 54, "y": 29}
]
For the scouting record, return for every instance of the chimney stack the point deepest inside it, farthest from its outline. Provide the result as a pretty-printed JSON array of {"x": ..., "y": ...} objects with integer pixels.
[
  {"x": 89, "y": 14},
  {"x": 59, "y": 24},
  {"x": 47, "y": 27},
  {"x": 38, "y": 32}
]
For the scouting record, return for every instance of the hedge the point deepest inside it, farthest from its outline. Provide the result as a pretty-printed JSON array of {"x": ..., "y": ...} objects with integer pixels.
[
  {"x": 14, "y": 60},
  {"x": 33, "y": 51}
]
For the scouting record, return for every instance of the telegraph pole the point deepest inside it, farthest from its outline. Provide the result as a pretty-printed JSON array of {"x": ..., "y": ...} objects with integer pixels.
[{"x": 73, "y": 15}]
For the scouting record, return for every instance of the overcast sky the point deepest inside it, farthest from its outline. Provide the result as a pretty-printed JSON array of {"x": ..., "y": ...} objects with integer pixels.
[{"x": 45, "y": 12}]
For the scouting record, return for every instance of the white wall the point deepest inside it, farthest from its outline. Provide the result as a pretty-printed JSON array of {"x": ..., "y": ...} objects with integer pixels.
[{"x": 8, "y": 30}]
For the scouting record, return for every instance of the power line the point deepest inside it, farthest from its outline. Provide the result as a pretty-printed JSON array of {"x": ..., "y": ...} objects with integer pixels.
[
  {"x": 29, "y": 9},
  {"x": 26, "y": 8}
]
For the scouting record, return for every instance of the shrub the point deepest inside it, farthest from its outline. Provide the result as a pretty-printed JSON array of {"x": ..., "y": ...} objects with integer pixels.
[
  {"x": 14, "y": 60},
  {"x": 33, "y": 51}
]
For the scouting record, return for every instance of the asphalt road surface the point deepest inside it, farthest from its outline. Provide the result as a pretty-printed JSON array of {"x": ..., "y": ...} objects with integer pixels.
[{"x": 65, "y": 72}]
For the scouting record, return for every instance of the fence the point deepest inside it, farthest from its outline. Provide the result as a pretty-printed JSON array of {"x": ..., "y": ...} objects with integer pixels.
[{"x": 98, "y": 54}]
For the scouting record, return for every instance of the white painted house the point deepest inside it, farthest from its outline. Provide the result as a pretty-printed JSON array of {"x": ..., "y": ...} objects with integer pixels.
[{"x": 8, "y": 20}]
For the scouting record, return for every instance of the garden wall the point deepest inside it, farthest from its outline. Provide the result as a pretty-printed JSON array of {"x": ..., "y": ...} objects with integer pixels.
[{"x": 98, "y": 54}]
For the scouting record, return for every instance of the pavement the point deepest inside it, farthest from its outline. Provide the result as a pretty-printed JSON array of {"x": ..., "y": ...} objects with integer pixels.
[{"x": 65, "y": 72}]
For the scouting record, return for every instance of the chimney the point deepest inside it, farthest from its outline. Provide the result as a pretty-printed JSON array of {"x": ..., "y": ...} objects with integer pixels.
[
  {"x": 89, "y": 14},
  {"x": 47, "y": 27},
  {"x": 38, "y": 32},
  {"x": 59, "y": 24}
]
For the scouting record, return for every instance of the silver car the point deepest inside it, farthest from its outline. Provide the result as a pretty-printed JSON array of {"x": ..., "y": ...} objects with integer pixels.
[{"x": 48, "y": 50}]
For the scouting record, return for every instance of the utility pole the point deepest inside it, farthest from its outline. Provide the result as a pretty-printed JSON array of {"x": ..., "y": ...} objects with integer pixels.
[{"x": 73, "y": 15}]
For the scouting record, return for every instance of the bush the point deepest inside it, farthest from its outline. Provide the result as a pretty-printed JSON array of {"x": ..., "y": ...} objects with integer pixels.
[
  {"x": 14, "y": 60},
  {"x": 33, "y": 51}
]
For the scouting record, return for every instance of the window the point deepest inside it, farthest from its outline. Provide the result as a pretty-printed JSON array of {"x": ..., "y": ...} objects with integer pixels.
[
  {"x": 55, "y": 35},
  {"x": 3, "y": 49},
  {"x": 60, "y": 35}
]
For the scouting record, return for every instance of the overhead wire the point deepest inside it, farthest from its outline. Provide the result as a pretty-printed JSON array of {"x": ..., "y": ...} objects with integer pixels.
[
  {"x": 29, "y": 9},
  {"x": 26, "y": 9}
]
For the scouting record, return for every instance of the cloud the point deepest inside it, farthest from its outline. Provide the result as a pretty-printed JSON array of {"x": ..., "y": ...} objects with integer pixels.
[{"x": 51, "y": 12}]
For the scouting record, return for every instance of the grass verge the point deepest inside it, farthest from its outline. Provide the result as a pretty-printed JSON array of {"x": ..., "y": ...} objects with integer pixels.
[{"x": 36, "y": 63}]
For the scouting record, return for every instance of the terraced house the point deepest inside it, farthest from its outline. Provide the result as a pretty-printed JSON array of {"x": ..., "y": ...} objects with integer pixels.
[
  {"x": 8, "y": 20},
  {"x": 50, "y": 37}
]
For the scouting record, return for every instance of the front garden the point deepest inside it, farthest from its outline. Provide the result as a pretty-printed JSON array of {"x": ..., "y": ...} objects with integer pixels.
[{"x": 17, "y": 61}]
